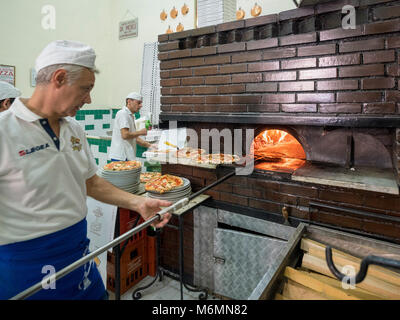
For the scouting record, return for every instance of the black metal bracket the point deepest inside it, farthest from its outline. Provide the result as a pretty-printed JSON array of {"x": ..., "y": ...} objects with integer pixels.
[
  {"x": 360, "y": 276},
  {"x": 136, "y": 295}
]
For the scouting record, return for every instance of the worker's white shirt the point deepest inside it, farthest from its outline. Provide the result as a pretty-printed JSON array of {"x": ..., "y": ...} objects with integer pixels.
[
  {"x": 123, "y": 149},
  {"x": 42, "y": 189}
]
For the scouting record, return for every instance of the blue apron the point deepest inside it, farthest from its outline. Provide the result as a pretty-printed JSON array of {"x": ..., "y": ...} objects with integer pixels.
[{"x": 26, "y": 263}]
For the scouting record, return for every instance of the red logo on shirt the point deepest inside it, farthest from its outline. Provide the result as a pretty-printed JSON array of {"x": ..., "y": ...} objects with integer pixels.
[{"x": 33, "y": 149}]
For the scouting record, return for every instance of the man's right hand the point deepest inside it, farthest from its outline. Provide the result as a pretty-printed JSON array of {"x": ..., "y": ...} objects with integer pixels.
[{"x": 143, "y": 132}]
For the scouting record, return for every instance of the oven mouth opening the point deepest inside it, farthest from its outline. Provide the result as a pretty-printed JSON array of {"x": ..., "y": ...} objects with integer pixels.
[
  {"x": 277, "y": 150},
  {"x": 277, "y": 153}
]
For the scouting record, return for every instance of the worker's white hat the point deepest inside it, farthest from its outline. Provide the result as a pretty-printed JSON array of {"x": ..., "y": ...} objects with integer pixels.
[
  {"x": 66, "y": 52},
  {"x": 8, "y": 91},
  {"x": 135, "y": 96}
]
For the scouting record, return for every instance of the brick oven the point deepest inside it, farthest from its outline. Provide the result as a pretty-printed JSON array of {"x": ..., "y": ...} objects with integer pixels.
[{"x": 298, "y": 74}]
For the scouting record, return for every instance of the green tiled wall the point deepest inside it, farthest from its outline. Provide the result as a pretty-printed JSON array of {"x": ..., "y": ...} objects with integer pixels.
[
  {"x": 98, "y": 114},
  {"x": 96, "y": 123}
]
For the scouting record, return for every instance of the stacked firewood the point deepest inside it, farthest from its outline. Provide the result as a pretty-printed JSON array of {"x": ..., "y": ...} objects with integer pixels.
[{"x": 314, "y": 281}]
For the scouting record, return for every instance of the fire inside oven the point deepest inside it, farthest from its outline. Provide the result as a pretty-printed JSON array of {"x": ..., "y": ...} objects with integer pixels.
[{"x": 277, "y": 150}]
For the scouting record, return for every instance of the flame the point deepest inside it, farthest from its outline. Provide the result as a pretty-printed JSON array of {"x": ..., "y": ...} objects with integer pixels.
[{"x": 270, "y": 136}]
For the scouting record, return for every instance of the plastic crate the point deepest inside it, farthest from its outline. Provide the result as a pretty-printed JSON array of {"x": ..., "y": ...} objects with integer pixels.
[
  {"x": 127, "y": 219},
  {"x": 133, "y": 266}
]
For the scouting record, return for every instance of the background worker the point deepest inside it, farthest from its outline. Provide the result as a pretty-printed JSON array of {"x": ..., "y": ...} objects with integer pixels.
[
  {"x": 125, "y": 136},
  {"x": 8, "y": 93}
]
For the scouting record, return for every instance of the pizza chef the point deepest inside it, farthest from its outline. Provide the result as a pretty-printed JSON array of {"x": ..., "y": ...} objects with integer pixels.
[
  {"x": 125, "y": 136},
  {"x": 46, "y": 172}
]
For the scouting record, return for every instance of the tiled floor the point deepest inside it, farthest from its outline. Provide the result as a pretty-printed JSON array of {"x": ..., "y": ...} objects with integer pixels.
[{"x": 167, "y": 289}]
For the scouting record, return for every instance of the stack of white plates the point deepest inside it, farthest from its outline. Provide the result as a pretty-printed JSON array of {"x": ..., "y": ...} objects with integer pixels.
[
  {"x": 174, "y": 195},
  {"x": 128, "y": 180}
]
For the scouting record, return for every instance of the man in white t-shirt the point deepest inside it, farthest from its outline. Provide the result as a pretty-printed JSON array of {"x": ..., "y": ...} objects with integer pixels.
[
  {"x": 125, "y": 136},
  {"x": 46, "y": 172}
]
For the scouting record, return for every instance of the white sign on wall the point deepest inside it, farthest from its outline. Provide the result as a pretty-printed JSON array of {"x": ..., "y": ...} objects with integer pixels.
[
  {"x": 7, "y": 74},
  {"x": 128, "y": 29}
]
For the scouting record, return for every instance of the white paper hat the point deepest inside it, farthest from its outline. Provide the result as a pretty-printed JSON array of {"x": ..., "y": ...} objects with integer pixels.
[
  {"x": 8, "y": 91},
  {"x": 66, "y": 52},
  {"x": 135, "y": 96}
]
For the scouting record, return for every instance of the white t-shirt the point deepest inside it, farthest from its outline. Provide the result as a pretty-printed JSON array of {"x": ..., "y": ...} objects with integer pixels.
[
  {"x": 123, "y": 149},
  {"x": 42, "y": 188}
]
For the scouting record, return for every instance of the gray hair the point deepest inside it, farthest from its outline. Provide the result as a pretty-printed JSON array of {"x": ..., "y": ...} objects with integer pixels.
[{"x": 73, "y": 73}]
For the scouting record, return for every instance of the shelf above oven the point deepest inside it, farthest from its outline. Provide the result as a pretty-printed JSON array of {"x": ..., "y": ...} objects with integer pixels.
[{"x": 287, "y": 119}]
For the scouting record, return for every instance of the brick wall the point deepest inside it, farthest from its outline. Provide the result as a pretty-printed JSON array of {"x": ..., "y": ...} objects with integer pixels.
[
  {"x": 298, "y": 62},
  {"x": 271, "y": 196},
  {"x": 396, "y": 159},
  {"x": 169, "y": 252},
  {"x": 287, "y": 63},
  {"x": 295, "y": 63}
]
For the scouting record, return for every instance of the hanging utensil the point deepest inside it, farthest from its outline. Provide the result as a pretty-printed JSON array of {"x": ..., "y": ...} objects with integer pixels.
[
  {"x": 185, "y": 9},
  {"x": 256, "y": 10},
  {"x": 240, "y": 14},
  {"x": 180, "y": 27},
  {"x": 173, "y": 13},
  {"x": 163, "y": 15}
]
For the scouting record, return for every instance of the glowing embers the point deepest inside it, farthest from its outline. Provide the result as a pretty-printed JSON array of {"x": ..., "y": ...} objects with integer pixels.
[{"x": 277, "y": 150}]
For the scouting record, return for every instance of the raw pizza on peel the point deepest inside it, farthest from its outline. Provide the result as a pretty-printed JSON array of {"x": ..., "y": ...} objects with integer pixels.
[
  {"x": 189, "y": 152},
  {"x": 163, "y": 183},
  {"x": 122, "y": 165},
  {"x": 148, "y": 176},
  {"x": 216, "y": 158},
  {"x": 222, "y": 158}
]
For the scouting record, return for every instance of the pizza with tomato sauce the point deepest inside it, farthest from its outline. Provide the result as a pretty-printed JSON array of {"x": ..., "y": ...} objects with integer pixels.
[
  {"x": 148, "y": 176},
  {"x": 122, "y": 165},
  {"x": 163, "y": 183}
]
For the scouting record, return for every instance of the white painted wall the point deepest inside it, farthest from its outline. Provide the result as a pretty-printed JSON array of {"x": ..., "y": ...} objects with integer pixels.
[
  {"x": 267, "y": 6},
  {"x": 22, "y": 36},
  {"x": 96, "y": 22},
  {"x": 127, "y": 55}
]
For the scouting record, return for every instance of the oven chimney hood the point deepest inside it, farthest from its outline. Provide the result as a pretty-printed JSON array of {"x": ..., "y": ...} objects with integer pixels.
[{"x": 303, "y": 3}]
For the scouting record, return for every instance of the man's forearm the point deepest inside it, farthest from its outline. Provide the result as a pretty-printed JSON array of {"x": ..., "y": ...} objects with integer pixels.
[
  {"x": 131, "y": 135},
  {"x": 102, "y": 190},
  {"x": 143, "y": 143}
]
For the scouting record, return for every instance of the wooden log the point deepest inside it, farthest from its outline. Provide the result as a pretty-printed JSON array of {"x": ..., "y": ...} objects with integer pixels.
[
  {"x": 296, "y": 291},
  {"x": 373, "y": 285},
  {"x": 317, "y": 285},
  {"x": 318, "y": 250},
  {"x": 358, "y": 292},
  {"x": 280, "y": 297}
]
